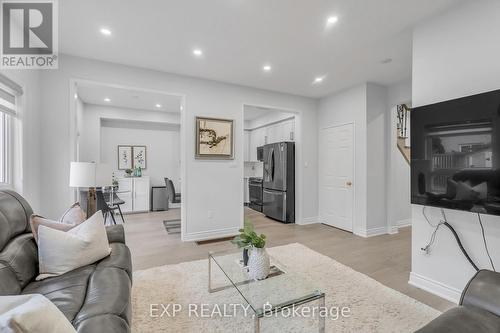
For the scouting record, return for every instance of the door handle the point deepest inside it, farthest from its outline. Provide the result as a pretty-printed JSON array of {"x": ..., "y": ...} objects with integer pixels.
[{"x": 348, "y": 183}]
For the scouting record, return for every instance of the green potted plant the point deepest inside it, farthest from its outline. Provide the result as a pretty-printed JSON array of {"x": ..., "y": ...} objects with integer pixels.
[{"x": 258, "y": 261}]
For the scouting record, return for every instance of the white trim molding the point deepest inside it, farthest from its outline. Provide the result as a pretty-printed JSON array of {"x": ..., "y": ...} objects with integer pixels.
[
  {"x": 437, "y": 288},
  {"x": 403, "y": 223},
  {"x": 309, "y": 220},
  {"x": 207, "y": 235},
  {"x": 372, "y": 232}
]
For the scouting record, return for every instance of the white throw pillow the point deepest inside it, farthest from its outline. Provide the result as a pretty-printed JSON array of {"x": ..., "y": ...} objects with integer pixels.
[
  {"x": 60, "y": 252},
  {"x": 31, "y": 313},
  {"x": 74, "y": 215}
]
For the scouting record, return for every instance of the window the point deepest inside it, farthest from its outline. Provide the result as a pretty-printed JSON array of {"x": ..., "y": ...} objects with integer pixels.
[{"x": 8, "y": 111}]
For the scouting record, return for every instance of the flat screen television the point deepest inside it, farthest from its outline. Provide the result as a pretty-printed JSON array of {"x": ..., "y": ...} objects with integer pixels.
[{"x": 455, "y": 154}]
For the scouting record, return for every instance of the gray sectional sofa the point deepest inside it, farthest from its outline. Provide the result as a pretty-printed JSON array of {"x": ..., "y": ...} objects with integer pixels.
[
  {"x": 94, "y": 298},
  {"x": 478, "y": 311}
]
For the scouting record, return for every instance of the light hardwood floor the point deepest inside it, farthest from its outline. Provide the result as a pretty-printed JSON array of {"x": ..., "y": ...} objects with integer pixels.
[{"x": 385, "y": 258}]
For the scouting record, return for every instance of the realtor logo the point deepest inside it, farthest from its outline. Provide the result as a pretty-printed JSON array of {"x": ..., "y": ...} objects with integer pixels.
[{"x": 29, "y": 34}]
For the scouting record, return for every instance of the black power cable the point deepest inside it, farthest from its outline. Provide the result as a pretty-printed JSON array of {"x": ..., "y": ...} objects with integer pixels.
[
  {"x": 445, "y": 223},
  {"x": 485, "y": 243},
  {"x": 461, "y": 246}
]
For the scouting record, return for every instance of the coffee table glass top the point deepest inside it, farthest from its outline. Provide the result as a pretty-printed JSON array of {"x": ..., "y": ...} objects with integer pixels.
[{"x": 280, "y": 289}]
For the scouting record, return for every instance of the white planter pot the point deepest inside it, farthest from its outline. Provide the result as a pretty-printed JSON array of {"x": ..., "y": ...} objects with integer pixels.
[{"x": 258, "y": 264}]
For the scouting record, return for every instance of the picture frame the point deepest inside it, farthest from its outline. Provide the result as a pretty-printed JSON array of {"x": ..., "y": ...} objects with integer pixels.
[
  {"x": 139, "y": 157},
  {"x": 214, "y": 138},
  {"x": 124, "y": 157}
]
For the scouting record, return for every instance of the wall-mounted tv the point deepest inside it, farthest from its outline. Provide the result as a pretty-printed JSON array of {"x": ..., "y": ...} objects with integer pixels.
[{"x": 455, "y": 154}]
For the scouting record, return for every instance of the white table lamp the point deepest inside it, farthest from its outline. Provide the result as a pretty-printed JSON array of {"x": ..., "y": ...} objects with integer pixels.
[{"x": 90, "y": 175}]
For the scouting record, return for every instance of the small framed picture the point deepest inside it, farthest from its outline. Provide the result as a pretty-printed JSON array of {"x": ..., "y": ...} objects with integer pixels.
[
  {"x": 139, "y": 156},
  {"x": 124, "y": 157},
  {"x": 214, "y": 138}
]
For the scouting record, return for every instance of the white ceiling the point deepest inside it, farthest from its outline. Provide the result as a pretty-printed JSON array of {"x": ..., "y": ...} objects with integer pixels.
[
  {"x": 239, "y": 36},
  {"x": 127, "y": 98}
]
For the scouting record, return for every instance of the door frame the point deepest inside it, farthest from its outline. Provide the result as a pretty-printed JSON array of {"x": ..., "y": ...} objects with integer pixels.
[
  {"x": 74, "y": 140},
  {"x": 297, "y": 114},
  {"x": 353, "y": 213}
]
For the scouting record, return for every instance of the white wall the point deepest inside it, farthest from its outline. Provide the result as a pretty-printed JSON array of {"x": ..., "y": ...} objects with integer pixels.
[
  {"x": 376, "y": 149},
  {"x": 398, "y": 169},
  {"x": 349, "y": 106},
  {"x": 92, "y": 116},
  {"x": 454, "y": 55},
  {"x": 215, "y": 186},
  {"x": 162, "y": 154},
  {"x": 27, "y": 172},
  {"x": 264, "y": 120}
]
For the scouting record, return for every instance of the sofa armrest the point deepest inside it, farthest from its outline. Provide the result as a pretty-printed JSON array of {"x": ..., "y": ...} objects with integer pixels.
[
  {"x": 116, "y": 234},
  {"x": 483, "y": 291}
]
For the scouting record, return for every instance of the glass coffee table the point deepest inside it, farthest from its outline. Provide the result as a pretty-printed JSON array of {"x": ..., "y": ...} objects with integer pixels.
[{"x": 282, "y": 289}]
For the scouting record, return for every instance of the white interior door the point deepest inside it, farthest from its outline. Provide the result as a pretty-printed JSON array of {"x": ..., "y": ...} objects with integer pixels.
[{"x": 336, "y": 169}]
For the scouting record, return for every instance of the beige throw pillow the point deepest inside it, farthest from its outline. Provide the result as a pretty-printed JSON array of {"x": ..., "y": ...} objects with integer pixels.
[
  {"x": 74, "y": 215},
  {"x": 31, "y": 313},
  {"x": 60, "y": 252},
  {"x": 37, "y": 220}
]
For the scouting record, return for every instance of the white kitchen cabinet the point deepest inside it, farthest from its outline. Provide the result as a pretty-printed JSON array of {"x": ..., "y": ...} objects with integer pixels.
[
  {"x": 278, "y": 132},
  {"x": 288, "y": 130},
  {"x": 135, "y": 191}
]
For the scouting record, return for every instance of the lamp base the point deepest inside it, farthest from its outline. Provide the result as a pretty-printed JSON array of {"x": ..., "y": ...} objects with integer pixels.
[{"x": 91, "y": 202}]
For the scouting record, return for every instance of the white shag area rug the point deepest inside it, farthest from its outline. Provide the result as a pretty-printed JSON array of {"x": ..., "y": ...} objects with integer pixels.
[{"x": 373, "y": 307}]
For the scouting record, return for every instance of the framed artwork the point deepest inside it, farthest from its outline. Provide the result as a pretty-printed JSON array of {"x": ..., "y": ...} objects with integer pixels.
[
  {"x": 139, "y": 156},
  {"x": 214, "y": 138},
  {"x": 124, "y": 157}
]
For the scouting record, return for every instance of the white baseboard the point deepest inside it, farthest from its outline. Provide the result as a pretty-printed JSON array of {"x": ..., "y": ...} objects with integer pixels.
[
  {"x": 309, "y": 220},
  {"x": 403, "y": 223},
  {"x": 207, "y": 235},
  {"x": 372, "y": 232},
  {"x": 434, "y": 287}
]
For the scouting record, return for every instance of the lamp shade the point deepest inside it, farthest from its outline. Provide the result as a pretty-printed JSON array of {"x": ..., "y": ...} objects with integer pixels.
[{"x": 89, "y": 174}]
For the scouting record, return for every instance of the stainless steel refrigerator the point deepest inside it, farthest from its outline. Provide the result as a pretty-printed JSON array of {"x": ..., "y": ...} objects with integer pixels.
[{"x": 278, "y": 201}]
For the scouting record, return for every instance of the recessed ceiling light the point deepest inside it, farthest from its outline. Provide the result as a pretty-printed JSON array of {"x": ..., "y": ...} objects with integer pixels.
[
  {"x": 266, "y": 68},
  {"x": 105, "y": 31},
  {"x": 107, "y": 100},
  {"x": 318, "y": 79},
  {"x": 332, "y": 20},
  {"x": 198, "y": 52},
  {"x": 158, "y": 105},
  {"x": 76, "y": 96}
]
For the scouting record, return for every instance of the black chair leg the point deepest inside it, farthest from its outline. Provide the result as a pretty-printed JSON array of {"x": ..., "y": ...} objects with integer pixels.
[
  {"x": 120, "y": 211},
  {"x": 112, "y": 216}
]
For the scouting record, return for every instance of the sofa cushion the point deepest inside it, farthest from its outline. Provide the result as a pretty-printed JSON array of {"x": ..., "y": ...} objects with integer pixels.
[
  {"x": 112, "y": 323},
  {"x": 119, "y": 258},
  {"x": 20, "y": 256},
  {"x": 14, "y": 216},
  {"x": 67, "y": 291},
  {"x": 463, "y": 319},
  {"x": 108, "y": 292}
]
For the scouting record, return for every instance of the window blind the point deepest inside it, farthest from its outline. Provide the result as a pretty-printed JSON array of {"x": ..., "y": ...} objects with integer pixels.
[{"x": 8, "y": 92}]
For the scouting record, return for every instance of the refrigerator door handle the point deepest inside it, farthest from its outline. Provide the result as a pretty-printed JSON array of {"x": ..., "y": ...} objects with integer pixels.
[{"x": 272, "y": 165}]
